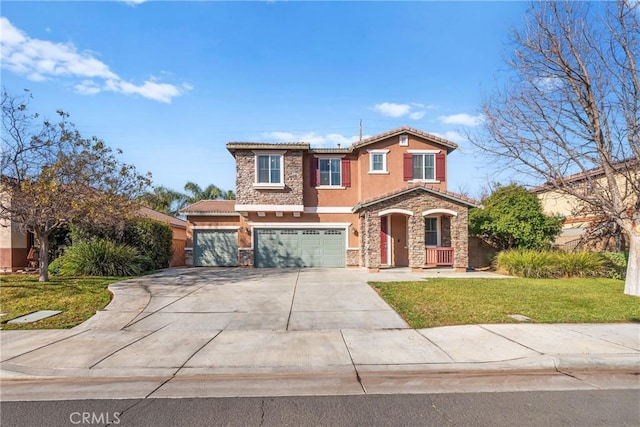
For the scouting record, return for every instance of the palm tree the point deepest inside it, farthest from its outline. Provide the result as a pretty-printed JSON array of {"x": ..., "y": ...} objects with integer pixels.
[
  {"x": 229, "y": 195},
  {"x": 163, "y": 199},
  {"x": 210, "y": 192}
]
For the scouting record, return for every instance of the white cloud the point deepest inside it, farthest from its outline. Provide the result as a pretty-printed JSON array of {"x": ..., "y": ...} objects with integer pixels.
[
  {"x": 328, "y": 140},
  {"x": 463, "y": 119},
  {"x": 391, "y": 109},
  {"x": 41, "y": 60}
]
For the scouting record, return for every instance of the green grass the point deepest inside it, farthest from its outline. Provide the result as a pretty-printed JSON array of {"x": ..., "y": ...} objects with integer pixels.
[
  {"x": 443, "y": 302},
  {"x": 78, "y": 298}
]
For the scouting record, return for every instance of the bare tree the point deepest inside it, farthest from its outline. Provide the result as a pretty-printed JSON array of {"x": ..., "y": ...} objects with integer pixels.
[
  {"x": 51, "y": 176},
  {"x": 573, "y": 107}
]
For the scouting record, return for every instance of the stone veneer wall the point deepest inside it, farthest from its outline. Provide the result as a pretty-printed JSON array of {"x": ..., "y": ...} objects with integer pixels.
[
  {"x": 246, "y": 194},
  {"x": 353, "y": 257},
  {"x": 245, "y": 257},
  {"x": 416, "y": 202}
]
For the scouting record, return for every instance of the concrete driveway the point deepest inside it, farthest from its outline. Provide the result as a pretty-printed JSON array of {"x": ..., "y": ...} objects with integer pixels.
[{"x": 210, "y": 299}]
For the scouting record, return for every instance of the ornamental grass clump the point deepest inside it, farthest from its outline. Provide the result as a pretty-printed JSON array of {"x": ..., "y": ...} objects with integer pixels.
[
  {"x": 553, "y": 264},
  {"x": 99, "y": 257}
]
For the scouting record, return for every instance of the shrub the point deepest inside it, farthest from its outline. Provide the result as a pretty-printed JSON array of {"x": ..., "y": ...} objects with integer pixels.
[
  {"x": 152, "y": 239},
  {"x": 579, "y": 264},
  {"x": 549, "y": 264},
  {"x": 616, "y": 264},
  {"x": 99, "y": 257},
  {"x": 526, "y": 263}
]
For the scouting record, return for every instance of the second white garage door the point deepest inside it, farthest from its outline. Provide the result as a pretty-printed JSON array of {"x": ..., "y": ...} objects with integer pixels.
[{"x": 300, "y": 247}]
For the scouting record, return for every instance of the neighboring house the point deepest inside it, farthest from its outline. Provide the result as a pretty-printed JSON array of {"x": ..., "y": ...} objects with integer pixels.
[
  {"x": 382, "y": 202},
  {"x": 14, "y": 247},
  {"x": 179, "y": 230},
  {"x": 581, "y": 228}
]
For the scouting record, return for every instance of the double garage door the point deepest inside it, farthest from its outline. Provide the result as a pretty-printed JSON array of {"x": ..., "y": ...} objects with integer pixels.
[{"x": 299, "y": 247}]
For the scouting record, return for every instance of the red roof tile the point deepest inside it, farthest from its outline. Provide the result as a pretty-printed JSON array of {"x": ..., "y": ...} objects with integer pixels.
[
  {"x": 211, "y": 206},
  {"x": 446, "y": 194}
]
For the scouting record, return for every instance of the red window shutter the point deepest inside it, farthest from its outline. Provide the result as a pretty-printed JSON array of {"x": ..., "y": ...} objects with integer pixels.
[
  {"x": 314, "y": 172},
  {"x": 346, "y": 172},
  {"x": 408, "y": 166},
  {"x": 440, "y": 168}
]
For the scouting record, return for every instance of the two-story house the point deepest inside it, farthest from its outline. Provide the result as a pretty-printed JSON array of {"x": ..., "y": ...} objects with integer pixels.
[{"x": 382, "y": 202}]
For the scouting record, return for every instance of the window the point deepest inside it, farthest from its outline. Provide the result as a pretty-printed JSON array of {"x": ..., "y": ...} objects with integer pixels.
[
  {"x": 431, "y": 231},
  {"x": 269, "y": 169},
  {"x": 330, "y": 171},
  {"x": 424, "y": 166},
  {"x": 378, "y": 161}
]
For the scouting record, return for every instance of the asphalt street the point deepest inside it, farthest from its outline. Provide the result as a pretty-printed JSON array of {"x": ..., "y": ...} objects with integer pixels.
[{"x": 539, "y": 408}]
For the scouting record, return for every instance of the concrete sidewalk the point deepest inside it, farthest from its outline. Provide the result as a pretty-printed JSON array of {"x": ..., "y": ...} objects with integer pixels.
[{"x": 297, "y": 333}]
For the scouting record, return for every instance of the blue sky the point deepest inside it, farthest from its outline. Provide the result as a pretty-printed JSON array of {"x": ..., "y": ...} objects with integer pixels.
[{"x": 170, "y": 83}]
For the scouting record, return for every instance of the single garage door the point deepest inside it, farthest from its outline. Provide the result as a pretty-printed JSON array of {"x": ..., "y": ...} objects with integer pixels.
[
  {"x": 215, "y": 248},
  {"x": 300, "y": 247}
]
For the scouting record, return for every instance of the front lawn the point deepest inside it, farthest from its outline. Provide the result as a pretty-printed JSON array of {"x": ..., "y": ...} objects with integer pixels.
[
  {"x": 442, "y": 302},
  {"x": 78, "y": 298}
]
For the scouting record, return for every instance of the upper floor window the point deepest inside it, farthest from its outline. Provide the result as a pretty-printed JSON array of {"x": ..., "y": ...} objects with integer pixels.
[
  {"x": 424, "y": 165},
  {"x": 330, "y": 171},
  {"x": 378, "y": 161},
  {"x": 269, "y": 169}
]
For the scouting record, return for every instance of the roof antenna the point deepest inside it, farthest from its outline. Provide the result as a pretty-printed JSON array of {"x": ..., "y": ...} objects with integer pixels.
[{"x": 360, "y": 130}]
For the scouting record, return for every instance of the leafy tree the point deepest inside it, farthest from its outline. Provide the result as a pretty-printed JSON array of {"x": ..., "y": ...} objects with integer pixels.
[
  {"x": 574, "y": 106},
  {"x": 512, "y": 217},
  {"x": 52, "y": 176}
]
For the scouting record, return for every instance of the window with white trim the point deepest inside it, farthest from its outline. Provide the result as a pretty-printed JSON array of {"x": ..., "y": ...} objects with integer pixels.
[
  {"x": 378, "y": 161},
  {"x": 431, "y": 231},
  {"x": 269, "y": 169},
  {"x": 330, "y": 171},
  {"x": 424, "y": 166}
]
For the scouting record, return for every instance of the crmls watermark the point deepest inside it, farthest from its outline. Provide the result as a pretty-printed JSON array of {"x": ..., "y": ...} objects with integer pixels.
[{"x": 88, "y": 418}]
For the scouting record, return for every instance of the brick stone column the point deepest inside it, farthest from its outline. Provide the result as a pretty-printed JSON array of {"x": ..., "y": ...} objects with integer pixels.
[
  {"x": 417, "y": 255},
  {"x": 460, "y": 240},
  {"x": 372, "y": 240}
]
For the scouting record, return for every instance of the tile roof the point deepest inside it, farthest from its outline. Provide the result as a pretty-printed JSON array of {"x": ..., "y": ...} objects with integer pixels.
[
  {"x": 405, "y": 129},
  {"x": 459, "y": 198},
  {"x": 210, "y": 206},
  {"x": 232, "y": 146},
  {"x": 159, "y": 216}
]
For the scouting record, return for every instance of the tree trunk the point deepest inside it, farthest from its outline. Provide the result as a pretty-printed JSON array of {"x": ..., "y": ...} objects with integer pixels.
[
  {"x": 632, "y": 282},
  {"x": 43, "y": 257}
]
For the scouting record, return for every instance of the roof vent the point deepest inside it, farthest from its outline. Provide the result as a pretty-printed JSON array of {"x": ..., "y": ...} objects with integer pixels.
[{"x": 404, "y": 140}]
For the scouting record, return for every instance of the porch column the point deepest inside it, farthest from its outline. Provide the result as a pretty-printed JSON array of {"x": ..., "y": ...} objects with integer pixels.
[
  {"x": 417, "y": 254},
  {"x": 371, "y": 239},
  {"x": 460, "y": 240}
]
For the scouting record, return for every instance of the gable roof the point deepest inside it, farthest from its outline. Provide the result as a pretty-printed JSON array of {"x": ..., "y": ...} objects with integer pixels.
[
  {"x": 211, "y": 207},
  {"x": 159, "y": 216},
  {"x": 450, "y": 145},
  {"x": 458, "y": 198}
]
